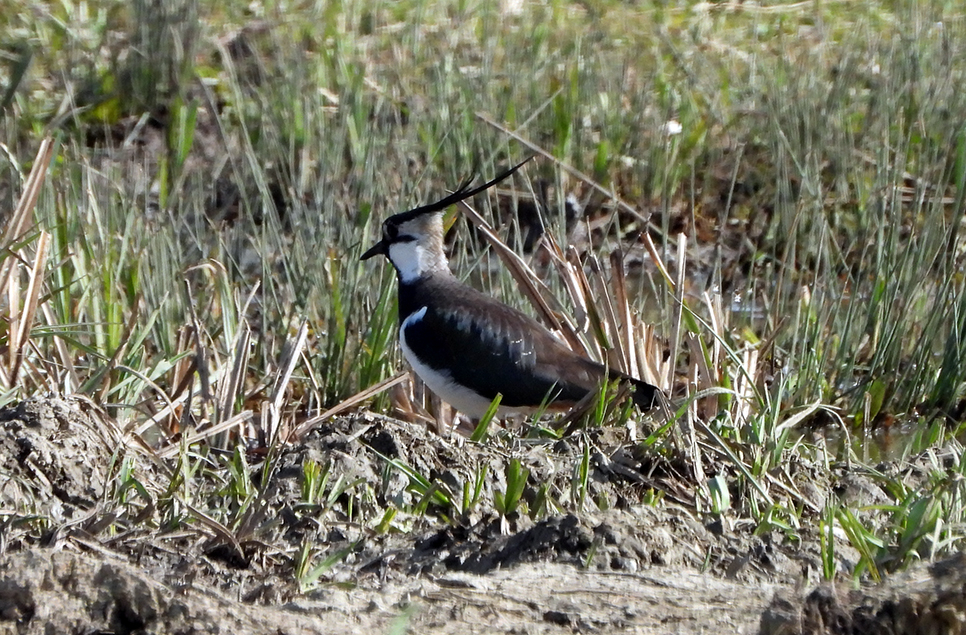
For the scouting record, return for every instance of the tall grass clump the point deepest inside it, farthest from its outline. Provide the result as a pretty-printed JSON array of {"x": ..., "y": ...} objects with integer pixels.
[{"x": 873, "y": 233}]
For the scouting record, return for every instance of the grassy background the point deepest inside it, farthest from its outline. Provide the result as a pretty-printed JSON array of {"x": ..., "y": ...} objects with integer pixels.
[{"x": 218, "y": 168}]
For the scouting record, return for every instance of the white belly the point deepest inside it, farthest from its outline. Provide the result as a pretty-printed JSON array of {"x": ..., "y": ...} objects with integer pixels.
[{"x": 463, "y": 399}]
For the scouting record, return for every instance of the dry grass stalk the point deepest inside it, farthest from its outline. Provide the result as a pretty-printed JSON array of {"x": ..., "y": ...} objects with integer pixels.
[
  {"x": 229, "y": 390},
  {"x": 21, "y": 318},
  {"x": 292, "y": 354},
  {"x": 619, "y": 284},
  {"x": 303, "y": 428},
  {"x": 526, "y": 278},
  {"x": 20, "y": 335},
  {"x": 239, "y": 420}
]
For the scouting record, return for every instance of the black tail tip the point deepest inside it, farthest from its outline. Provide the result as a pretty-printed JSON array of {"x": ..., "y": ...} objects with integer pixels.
[{"x": 646, "y": 396}]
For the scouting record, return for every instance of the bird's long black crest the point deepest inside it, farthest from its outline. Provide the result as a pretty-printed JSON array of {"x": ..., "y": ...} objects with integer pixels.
[{"x": 461, "y": 193}]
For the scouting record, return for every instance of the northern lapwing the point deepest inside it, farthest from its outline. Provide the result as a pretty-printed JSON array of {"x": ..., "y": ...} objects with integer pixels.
[{"x": 466, "y": 346}]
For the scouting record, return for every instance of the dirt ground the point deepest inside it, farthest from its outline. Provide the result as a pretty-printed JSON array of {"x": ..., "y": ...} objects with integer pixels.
[{"x": 83, "y": 549}]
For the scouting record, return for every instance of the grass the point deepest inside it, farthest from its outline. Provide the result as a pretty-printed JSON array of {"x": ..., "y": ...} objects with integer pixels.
[{"x": 185, "y": 254}]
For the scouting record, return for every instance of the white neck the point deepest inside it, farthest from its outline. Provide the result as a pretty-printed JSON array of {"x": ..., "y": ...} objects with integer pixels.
[{"x": 413, "y": 260}]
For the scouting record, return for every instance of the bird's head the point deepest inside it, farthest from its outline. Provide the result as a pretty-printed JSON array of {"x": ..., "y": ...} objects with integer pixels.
[
  {"x": 413, "y": 240},
  {"x": 413, "y": 244}
]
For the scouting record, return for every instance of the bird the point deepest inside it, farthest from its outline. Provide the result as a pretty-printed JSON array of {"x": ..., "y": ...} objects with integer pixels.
[{"x": 468, "y": 347}]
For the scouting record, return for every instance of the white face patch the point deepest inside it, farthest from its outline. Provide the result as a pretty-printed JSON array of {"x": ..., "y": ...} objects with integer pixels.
[
  {"x": 413, "y": 261},
  {"x": 408, "y": 258}
]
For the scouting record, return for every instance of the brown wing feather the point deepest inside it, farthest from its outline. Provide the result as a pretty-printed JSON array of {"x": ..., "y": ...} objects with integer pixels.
[{"x": 495, "y": 348}]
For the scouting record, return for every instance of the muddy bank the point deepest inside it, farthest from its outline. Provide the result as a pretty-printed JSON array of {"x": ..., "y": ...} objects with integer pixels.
[{"x": 98, "y": 534}]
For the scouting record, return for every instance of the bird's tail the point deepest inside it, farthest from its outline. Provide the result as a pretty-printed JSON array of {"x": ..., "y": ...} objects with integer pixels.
[{"x": 645, "y": 395}]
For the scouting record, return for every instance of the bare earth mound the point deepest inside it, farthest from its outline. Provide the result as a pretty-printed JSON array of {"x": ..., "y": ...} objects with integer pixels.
[{"x": 75, "y": 560}]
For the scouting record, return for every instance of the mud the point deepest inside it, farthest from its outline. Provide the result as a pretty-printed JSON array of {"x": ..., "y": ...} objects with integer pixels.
[{"x": 98, "y": 534}]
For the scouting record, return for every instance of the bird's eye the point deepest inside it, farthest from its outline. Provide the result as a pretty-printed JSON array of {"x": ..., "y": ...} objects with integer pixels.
[{"x": 390, "y": 231}]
